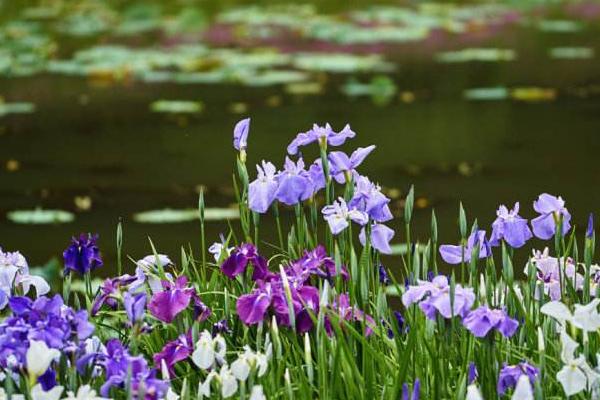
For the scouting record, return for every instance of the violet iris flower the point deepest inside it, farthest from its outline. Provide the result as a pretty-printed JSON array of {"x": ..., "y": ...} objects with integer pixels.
[
  {"x": 262, "y": 191},
  {"x": 511, "y": 227},
  {"x": 341, "y": 306},
  {"x": 367, "y": 197},
  {"x": 221, "y": 326},
  {"x": 434, "y": 297},
  {"x": 174, "y": 352},
  {"x": 454, "y": 254},
  {"x": 83, "y": 255},
  {"x": 589, "y": 232},
  {"x": 550, "y": 207},
  {"x": 342, "y": 166},
  {"x": 240, "y": 134},
  {"x": 317, "y": 175},
  {"x": 314, "y": 263},
  {"x": 383, "y": 276},
  {"x": 173, "y": 299},
  {"x": 472, "y": 373},
  {"x": 323, "y": 135},
  {"x": 295, "y": 184},
  {"x": 510, "y": 374},
  {"x": 135, "y": 306},
  {"x": 482, "y": 320},
  {"x": 381, "y": 236},
  {"x": 416, "y": 392},
  {"x": 238, "y": 261},
  {"x": 338, "y": 216}
]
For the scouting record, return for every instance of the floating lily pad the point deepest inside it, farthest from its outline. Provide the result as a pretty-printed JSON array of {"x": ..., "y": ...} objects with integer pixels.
[
  {"x": 169, "y": 215},
  {"x": 40, "y": 216},
  {"x": 341, "y": 63},
  {"x": 560, "y": 26},
  {"x": 381, "y": 89},
  {"x": 486, "y": 93},
  {"x": 533, "y": 94},
  {"x": 177, "y": 106},
  {"x": 476, "y": 54},
  {"x": 16, "y": 108},
  {"x": 572, "y": 53}
]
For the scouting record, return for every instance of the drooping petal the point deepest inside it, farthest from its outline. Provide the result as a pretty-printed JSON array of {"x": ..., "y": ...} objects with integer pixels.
[{"x": 251, "y": 308}]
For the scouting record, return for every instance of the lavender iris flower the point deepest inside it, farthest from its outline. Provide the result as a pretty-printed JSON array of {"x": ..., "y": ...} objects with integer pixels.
[
  {"x": 174, "y": 352},
  {"x": 83, "y": 255},
  {"x": 367, "y": 197},
  {"x": 381, "y": 236},
  {"x": 324, "y": 135},
  {"x": 14, "y": 273},
  {"x": 295, "y": 184},
  {"x": 454, "y": 254},
  {"x": 343, "y": 166},
  {"x": 550, "y": 208},
  {"x": 135, "y": 306},
  {"x": 511, "y": 227},
  {"x": 338, "y": 216},
  {"x": 550, "y": 270},
  {"x": 238, "y": 261},
  {"x": 317, "y": 175},
  {"x": 262, "y": 191},
  {"x": 240, "y": 134},
  {"x": 434, "y": 297},
  {"x": 510, "y": 374},
  {"x": 483, "y": 319}
]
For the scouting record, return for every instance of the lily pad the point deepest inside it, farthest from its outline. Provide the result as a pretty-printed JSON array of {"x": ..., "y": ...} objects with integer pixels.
[
  {"x": 40, "y": 216},
  {"x": 486, "y": 93},
  {"x": 572, "y": 53},
  {"x": 170, "y": 215},
  {"x": 177, "y": 106},
  {"x": 476, "y": 54},
  {"x": 16, "y": 108}
]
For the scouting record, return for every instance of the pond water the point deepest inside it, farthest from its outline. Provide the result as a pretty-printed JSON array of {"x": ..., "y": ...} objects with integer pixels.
[{"x": 94, "y": 147}]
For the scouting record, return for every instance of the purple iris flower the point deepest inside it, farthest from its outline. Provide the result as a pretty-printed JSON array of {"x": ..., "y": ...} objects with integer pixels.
[
  {"x": 324, "y": 135},
  {"x": 343, "y": 166},
  {"x": 252, "y": 308},
  {"x": 317, "y": 175},
  {"x": 295, "y": 184},
  {"x": 510, "y": 374},
  {"x": 338, "y": 216},
  {"x": 381, "y": 236},
  {"x": 111, "y": 287},
  {"x": 483, "y": 320},
  {"x": 367, "y": 197},
  {"x": 83, "y": 255},
  {"x": 416, "y": 392},
  {"x": 511, "y": 227},
  {"x": 383, "y": 276},
  {"x": 174, "y": 298},
  {"x": 314, "y": 263},
  {"x": 121, "y": 367},
  {"x": 262, "y": 191},
  {"x": 400, "y": 324},
  {"x": 45, "y": 319},
  {"x": 589, "y": 233},
  {"x": 240, "y": 134},
  {"x": 221, "y": 326},
  {"x": 174, "y": 352},
  {"x": 135, "y": 306},
  {"x": 454, "y": 254},
  {"x": 341, "y": 306},
  {"x": 549, "y": 207},
  {"x": 238, "y": 260},
  {"x": 472, "y": 373},
  {"x": 434, "y": 297}
]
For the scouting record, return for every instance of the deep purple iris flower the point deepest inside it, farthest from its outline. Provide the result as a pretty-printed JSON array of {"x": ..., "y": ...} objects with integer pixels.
[
  {"x": 220, "y": 327},
  {"x": 174, "y": 352},
  {"x": 511, "y": 227},
  {"x": 454, "y": 254},
  {"x": 120, "y": 367},
  {"x": 384, "y": 279},
  {"x": 315, "y": 262},
  {"x": 238, "y": 261},
  {"x": 295, "y": 183},
  {"x": 368, "y": 198},
  {"x": 416, "y": 392},
  {"x": 174, "y": 298},
  {"x": 324, "y": 135},
  {"x": 343, "y": 166},
  {"x": 510, "y": 374},
  {"x": 135, "y": 306},
  {"x": 240, "y": 134},
  {"x": 262, "y": 191},
  {"x": 589, "y": 232},
  {"x": 83, "y": 255},
  {"x": 434, "y": 297},
  {"x": 46, "y": 319},
  {"x": 472, "y": 373},
  {"x": 550, "y": 208},
  {"x": 482, "y": 320},
  {"x": 381, "y": 236}
]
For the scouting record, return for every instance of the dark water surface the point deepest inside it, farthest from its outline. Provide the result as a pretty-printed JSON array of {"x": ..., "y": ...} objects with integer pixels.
[{"x": 103, "y": 142}]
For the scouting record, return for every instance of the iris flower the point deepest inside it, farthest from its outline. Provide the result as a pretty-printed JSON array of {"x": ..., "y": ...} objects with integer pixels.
[
  {"x": 511, "y": 227},
  {"x": 324, "y": 135},
  {"x": 551, "y": 209}
]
